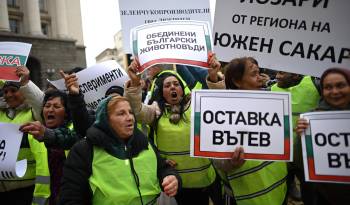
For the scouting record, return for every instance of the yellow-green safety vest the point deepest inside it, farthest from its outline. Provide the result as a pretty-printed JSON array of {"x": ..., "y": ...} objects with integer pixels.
[
  {"x": 112, "y": 181},
  {"x": 42, "y": 181},
  {"x": 259, "y": 182},
  {"x": 21, "y": 117},
  {"x": 173, "y": 142},
  {"x": 305, "y": 97}
]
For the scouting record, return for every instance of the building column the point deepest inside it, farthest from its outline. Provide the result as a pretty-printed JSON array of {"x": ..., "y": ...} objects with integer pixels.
[
  {"x": 33, "y": 15},
  {"x": 4, "y": 16},
  {"x": 62, "y": 27}
]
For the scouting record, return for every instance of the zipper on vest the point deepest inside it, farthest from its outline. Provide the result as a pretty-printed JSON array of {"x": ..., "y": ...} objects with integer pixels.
[{"x": 126, "y": 161}]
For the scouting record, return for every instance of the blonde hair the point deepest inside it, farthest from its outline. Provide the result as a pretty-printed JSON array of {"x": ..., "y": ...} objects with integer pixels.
[{"x": 114, "y": 101}]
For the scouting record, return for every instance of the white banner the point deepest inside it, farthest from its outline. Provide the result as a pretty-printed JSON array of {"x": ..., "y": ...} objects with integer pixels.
[
  {"x": 137, "y": 12},
  {"x": 303, "y": 37},
  {"x": 95, "y": 80},
  {"x": 180, "y": 42},
  {"x": 259, "y": 121},
  {"x": 10, "y": 142},
  {"x": 326, "y": 147},
  {"x": 12, "y": 54}
]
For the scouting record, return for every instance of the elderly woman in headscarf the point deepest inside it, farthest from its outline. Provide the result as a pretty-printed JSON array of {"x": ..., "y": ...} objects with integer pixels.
[{"x": 116, "y": 164}]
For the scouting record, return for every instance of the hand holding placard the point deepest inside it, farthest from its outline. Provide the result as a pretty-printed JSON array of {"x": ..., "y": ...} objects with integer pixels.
[{"x": 10, "y": 141}]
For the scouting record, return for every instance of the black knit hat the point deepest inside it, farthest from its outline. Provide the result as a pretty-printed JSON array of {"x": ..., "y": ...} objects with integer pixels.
[
  {"x": 12, "y": 83},
  {"x": 115, "y": 89}
]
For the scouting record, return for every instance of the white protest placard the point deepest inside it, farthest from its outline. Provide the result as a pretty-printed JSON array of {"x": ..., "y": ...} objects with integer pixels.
[
  {"x": 180, "y": 42},
  {"x": 10, "y": 142},
  {"x": 326, "y": 147},
  {"x": 95, "y": 80},
  {"x": 12, "y": 54},
  {"x": 259, "y": 121},
  {"x": 138, "y": 12},
  {"x": 305, "y": 37}
]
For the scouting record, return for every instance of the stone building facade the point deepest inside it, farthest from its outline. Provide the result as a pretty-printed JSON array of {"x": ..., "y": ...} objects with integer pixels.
[
  {"x": 53, "y": 27},
  {"x": 115, "y": 53}
]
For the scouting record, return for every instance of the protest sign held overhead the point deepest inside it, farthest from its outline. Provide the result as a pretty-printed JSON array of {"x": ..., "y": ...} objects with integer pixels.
[
  {"x": 181, "y": 42},
  {"x": 94, "y": 81},
  {"x": 305, "y": 37},
  {"x": 10, "y": 142},
  {"x": 12, "y": 54},
  {"x": 256, "y": 120},
  {"x": 138, "y": 12},
  {"x": 326, "y": 147}
]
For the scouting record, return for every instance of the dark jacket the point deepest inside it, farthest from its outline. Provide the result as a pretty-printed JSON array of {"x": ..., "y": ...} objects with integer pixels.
[
  {"x": 333, "y": 193},
  {"x": 82, "y": 118},
  {"x": 77, "y": 170}
]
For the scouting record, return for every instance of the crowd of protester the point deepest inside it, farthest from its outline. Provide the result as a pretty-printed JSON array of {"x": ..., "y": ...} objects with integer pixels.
[{"x": 135, "y": 148}]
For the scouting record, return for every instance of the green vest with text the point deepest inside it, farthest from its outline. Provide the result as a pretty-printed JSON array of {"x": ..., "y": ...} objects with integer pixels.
[
  {"x": 24, "y": 152},
  {"x": 173, "y": 142},
  {"x": 112, "y": 181},
  {"x": 259, "y": 182}
]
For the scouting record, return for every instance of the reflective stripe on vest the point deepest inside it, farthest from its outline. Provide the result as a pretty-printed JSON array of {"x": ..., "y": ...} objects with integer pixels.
[
  {"x": 259, "y": 182},
  {"x": 42, "y": 190},
  {"x": 42, "y": 181},
  {"x": 24, "y": 153},
  {"x": 112, "y": 181},
  {"x": 173, "y": 142}
]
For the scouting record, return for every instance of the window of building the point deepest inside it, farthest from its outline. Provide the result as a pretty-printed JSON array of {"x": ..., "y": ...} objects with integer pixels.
[
  {"x": 45, "y": 28},
  {"x": 12, "y": 3},
  {"x": 42, "y": 5},
  {"x": 14, "y": 25}
]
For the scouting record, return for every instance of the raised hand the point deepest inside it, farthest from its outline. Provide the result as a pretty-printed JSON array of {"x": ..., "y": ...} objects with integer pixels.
[
  {"x": 24, "y": 74},
  {"x": 302, "y": 125},
  {"x": 214, "y": 67},
  {"x": 71, "y": 82},
  {"x": 133, "y": 73},
  {"x": 34, "y": 128}
]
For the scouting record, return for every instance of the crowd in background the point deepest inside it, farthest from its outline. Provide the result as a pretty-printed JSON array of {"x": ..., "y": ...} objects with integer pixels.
[{"x": 135, "y": 148}]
